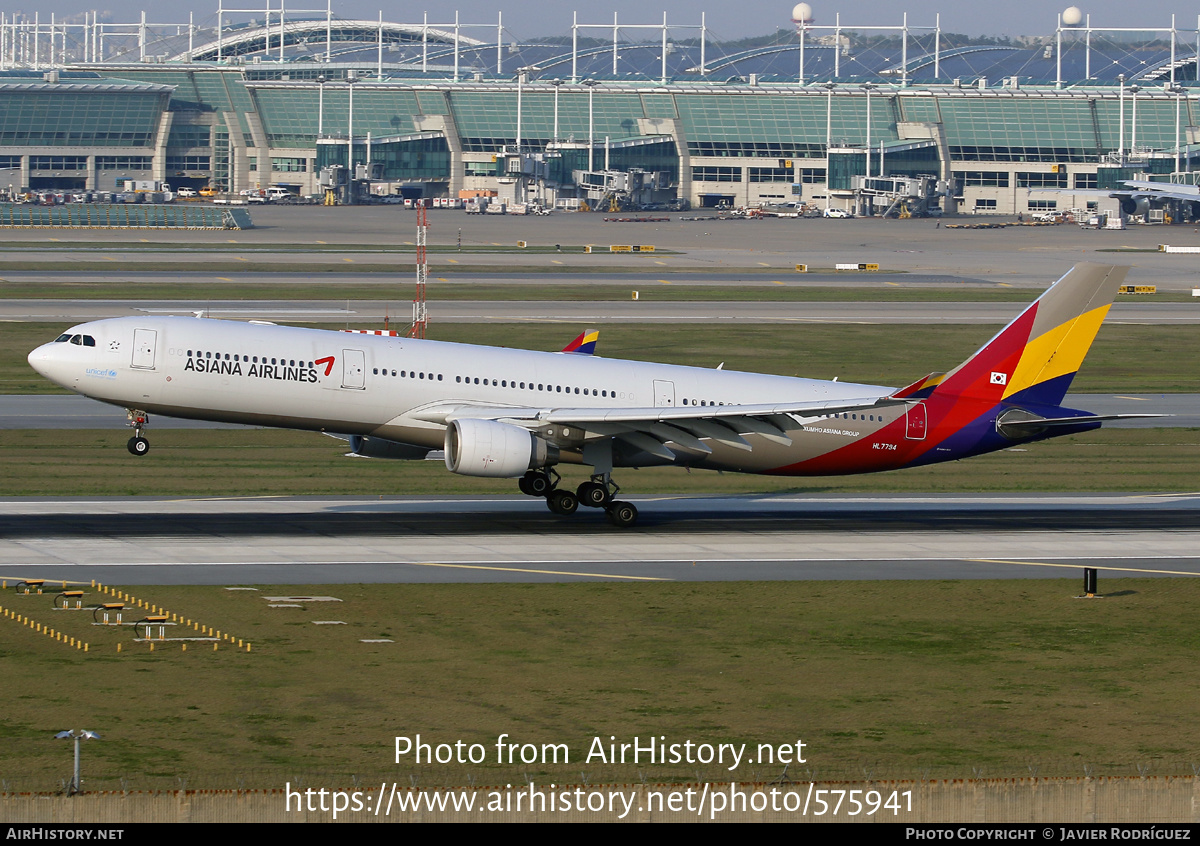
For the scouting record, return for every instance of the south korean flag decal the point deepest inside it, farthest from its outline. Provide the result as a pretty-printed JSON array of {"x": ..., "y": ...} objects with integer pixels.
[{"x": 999, "y": 378}]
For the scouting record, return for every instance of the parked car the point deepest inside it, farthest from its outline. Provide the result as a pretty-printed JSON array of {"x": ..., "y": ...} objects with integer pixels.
[
  {"x": 186, "y": 192},
  {"x": 208, "y": 192},
  {"x": 833, "y": 212}
]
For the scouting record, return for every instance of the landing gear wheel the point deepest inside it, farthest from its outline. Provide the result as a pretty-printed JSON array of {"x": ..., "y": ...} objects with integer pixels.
[
  {"x": 138, "y": 446},
  {"x": 622, "y": 514},
  {"x": 534, "y": 483},
  {"x": 562, "y": 502},
  {"x": 593, "y": 495}
]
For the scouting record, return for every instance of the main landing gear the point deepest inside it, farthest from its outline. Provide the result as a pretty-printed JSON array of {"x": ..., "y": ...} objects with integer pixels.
[
  {"x": 596, "y": 493},
  {"x": 138, "y": 445}
]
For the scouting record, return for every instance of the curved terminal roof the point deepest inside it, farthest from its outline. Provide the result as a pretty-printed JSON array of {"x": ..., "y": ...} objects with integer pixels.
[{"x": 260, "y": 39}]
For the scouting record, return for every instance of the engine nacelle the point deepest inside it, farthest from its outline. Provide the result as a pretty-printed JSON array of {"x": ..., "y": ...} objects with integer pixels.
[
  {"x": 1132, "y": 206},
  {"x": 499, "y": 450}
]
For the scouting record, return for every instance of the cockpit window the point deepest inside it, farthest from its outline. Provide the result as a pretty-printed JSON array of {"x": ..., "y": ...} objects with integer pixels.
[
  {"x": 62, "y": 339},
  {"x": 89, "y": 341},
  {"x": 77, "y": 340}
]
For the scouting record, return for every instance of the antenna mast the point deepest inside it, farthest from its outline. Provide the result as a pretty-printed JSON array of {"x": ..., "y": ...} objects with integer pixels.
[{"x": 420, "y": 309}]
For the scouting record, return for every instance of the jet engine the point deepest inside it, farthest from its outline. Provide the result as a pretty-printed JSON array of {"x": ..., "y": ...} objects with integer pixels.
[
  {"x": 1135, "y": 205},
  {"x": 499, "y": 450}
]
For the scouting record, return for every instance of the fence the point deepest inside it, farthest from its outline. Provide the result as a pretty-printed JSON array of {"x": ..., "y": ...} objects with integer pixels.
[{"x": 119, "y": 216}]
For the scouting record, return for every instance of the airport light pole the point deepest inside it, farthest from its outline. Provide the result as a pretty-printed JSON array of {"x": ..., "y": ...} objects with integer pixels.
[
  {"x": 320, "y": 105},
  {"x": 557, "y": 83},
  {"x": 829, "y": 86},
  {"x": 868, "y": 86},
  {"x": 520, "y": 91},
  {"x": 1121, "y": 121},
  {"x": 1134, "y": 89},
  {"x": 77, "y": 735},
  {"x": 591, "y": 87},
  {"x": 1177, "y": 90},
  {"x": 350, "y": 80}
]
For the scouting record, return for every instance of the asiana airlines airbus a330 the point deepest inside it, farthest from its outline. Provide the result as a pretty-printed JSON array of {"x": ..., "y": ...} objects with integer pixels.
[{"x": 518, "y": 414}]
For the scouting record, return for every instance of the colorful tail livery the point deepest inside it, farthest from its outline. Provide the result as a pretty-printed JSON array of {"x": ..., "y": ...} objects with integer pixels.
[
  {"x": 585, "y": 344},
  {"x": 1009, "y": 391}
]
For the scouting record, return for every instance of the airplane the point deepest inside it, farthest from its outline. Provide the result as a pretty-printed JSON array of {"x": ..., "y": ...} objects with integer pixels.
[
  {"x": 511, "y": 413},
  {"x": 1136, "y": 196}
]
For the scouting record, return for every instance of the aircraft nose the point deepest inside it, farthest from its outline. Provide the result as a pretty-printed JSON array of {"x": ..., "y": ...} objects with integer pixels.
[
  {"x": 39, "y": 358},
  {"x": 47, "y": 360}
]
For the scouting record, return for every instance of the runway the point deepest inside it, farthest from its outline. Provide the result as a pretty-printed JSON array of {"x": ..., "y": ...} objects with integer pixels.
[
  {"x": 62, "y": 313},
  {"x": 516, "y": 539},
  {"x": 56, "y": 411}
]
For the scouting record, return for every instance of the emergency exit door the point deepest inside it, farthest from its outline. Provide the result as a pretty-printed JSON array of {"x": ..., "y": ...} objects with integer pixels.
[
  {"x": 145, "y": 342},
  {"x": 918, "y": 422},
  {"x": 354, "y": 369}
]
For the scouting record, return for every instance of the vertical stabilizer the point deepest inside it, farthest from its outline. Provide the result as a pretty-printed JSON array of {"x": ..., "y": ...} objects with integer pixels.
[{"x": 1034, "y": 358}]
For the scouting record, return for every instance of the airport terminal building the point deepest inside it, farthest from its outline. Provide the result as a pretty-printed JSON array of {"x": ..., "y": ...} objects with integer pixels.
[{"x": 268, "y": 108}]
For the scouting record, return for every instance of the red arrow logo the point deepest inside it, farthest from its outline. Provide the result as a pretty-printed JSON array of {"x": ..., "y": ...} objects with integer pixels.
[{"x": 328, "y": 362}]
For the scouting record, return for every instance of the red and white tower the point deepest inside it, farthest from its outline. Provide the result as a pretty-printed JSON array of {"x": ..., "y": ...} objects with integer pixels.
[{"x": 420, "y": 309}]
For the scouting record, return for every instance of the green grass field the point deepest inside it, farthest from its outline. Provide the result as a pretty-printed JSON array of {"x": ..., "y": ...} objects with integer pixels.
[
  {"x": 271, "y": 462},
  {"x": 880, "y": 679}
]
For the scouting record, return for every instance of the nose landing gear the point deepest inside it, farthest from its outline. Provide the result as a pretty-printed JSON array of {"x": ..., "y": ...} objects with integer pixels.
[{"x": 138, "y": 420}]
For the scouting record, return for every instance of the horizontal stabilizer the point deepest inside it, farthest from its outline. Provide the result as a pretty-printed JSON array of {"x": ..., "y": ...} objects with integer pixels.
[
  {"x": 1036, "y": 425},
  {"x": 921, "y": 388}
]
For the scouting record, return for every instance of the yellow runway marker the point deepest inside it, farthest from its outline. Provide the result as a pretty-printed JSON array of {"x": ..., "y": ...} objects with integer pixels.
[
  {"x": 320, "y": 242},
  {"x": 776, "y": 282},
  {"x": 452, "y": 261},
  {"x": 538, "y": 572},
  {"x": 348, "y": 259},
  {"x": 441, "y": 279},
  {"x": 660, "y": 262},
  {"x": 665, "y": 281},
  {"x": 893, "y": 284},
  {"x": 763, "y": 264},
  {"x": 224, "y": 279},
  {"x": 239, "y": 258},
  {"x": 1078, "y": 565},
  {"x": 555, "y": 261},
  {"x": 1004, "y": 285},
  {"x": 1139, "y": 399}
]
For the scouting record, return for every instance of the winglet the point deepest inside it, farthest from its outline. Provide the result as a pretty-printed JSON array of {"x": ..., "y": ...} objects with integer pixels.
[{"x": 585, "y": 344}]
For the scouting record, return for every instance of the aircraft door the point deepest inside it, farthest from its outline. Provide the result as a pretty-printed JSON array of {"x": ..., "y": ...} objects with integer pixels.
[
  {"x": 664, "y": 394},
  {"x": 145, "y": 341},
  {"x": 917, "y": 422},
  {"x": 354, "y": 369}
]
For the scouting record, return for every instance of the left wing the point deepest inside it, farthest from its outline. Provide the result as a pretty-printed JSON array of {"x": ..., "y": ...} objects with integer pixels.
[{"x": 652, "y": 429}]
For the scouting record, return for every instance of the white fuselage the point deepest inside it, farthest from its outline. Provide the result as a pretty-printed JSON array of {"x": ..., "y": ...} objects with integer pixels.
[{"x": 366, "y": 384}]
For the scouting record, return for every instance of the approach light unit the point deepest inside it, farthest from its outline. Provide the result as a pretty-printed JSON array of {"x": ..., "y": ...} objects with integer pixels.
[{"x": 77, "y": 735}]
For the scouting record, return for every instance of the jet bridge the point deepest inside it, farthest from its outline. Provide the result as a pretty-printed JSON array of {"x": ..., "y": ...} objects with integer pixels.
[{"x": 897, "y": 196}]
